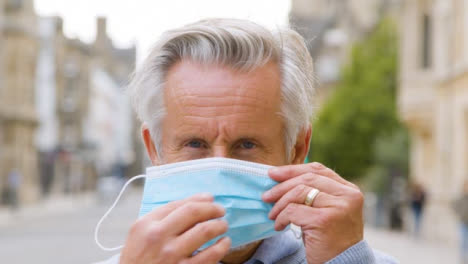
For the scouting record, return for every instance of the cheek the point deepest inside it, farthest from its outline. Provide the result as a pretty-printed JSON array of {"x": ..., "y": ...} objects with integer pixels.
[
  {"x": 171, "y": 157},
  {"x": 275, "y": 157}
]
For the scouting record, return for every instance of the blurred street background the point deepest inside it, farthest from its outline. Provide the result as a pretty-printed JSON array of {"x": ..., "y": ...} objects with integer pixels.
[
  {"x": 391, "y": 115},
  {"x": 64, "y": 234}
]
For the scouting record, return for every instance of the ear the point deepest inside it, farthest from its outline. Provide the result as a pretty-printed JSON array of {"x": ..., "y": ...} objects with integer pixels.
[
  {"x": 150, "y": 148},
  {"x": 301, "y": 149}
]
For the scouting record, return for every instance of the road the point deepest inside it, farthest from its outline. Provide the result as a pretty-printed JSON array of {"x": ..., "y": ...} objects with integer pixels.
[{"x": 62, "y": 232}]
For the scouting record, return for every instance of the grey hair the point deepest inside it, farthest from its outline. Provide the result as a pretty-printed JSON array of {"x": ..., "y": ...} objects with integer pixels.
[{"x": 240, "y": 44}]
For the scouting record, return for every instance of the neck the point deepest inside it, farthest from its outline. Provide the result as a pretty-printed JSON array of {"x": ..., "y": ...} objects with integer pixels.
[{"x": 241, "y": 256}]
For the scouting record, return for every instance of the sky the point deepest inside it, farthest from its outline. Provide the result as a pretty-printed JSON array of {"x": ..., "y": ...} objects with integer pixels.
[{"x": 140, "y": 22}]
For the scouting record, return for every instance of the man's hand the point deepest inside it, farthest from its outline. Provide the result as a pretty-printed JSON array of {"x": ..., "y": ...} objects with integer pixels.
[
  {"x": 171, "y": 233},
  {"x": 332, "y": 223}
]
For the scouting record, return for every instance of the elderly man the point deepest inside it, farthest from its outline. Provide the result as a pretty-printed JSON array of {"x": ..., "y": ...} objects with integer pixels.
[{"x": 233, "y": 89}]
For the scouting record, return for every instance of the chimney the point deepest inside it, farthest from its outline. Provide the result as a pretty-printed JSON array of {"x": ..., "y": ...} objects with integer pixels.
[
  {"x": 58, "y": 24},
  {"x": 101, "y": 30}
]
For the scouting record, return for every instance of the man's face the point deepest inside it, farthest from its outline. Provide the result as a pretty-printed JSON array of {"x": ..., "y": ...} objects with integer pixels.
[{"x": 214, "y": 111}]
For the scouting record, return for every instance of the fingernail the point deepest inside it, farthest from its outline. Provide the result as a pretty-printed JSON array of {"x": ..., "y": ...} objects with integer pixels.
[
  {"x": 270, "y": 216},
  {"x": 227, "y": 240},
  {"x": 266, "y": 195},
  {"x": 317, "y": 165},
  {"x": 274, "y": 170},
  {"x": 221, "y": 208},
  {"x": 225, "y": 223},
  {"x": 204, "y": 195}
]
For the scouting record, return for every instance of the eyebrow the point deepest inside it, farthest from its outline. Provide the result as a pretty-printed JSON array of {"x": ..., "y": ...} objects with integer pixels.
[{"x": 185, "y": 137}]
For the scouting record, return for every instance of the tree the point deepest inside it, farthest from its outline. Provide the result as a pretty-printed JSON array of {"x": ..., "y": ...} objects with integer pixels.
[{"x": 362, "y": 109}]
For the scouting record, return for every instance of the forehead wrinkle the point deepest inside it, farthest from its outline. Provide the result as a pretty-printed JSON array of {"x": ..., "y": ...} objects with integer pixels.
[
  {"x": 196, "y": 106},
  {"x": 206, "y": 97},
  {"x": 200, "y": 129},
  {"x": 220, "y": 93},
  {"x": 229, "y": 133},
  {"x": 244, "y": 100},
  {"x": 235, "y": 83},
  {"x": 221, "y": 128}
]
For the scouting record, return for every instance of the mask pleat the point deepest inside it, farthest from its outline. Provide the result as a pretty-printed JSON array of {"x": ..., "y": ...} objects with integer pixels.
[{"x": 236, "y": 185}]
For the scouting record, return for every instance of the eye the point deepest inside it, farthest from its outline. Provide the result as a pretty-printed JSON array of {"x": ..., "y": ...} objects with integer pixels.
[
  {"x": 195, "y": 143},
  {"x": 247, "y": 144}
]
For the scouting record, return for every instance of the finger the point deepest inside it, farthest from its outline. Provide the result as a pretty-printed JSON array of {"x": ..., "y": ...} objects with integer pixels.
[
  {"x": 191, "y": 213},
  {"x": 300, "y": 215},
  {"x": 198, "y": 235},
  {"x": 284, "y": 173},
  {"x": 298, "y": 195},
  {"x": 322, "y": 183},
  {"x": 212, "y": 254},
  {"x": 163, "y": 211},
  {"x": 323, "y": 170}
]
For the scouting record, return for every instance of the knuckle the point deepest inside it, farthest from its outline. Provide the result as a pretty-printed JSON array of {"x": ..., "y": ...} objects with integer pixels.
[
  {"x": 290, "y": 208},
  {"x": 343, "y": 205},
  {"x": 169, "y": 250},
  {"x": 154, "y": 233},
  {"x": 309, "y": 178},
  {"x": 137, "y": 226},
  {"x": 357, "y": 197},
  {"x": 299, "y": 189},
  {"x": 325, "y": 219},
  {"x": 192, "y": 208},
  {"x": 206, "y": 230}
]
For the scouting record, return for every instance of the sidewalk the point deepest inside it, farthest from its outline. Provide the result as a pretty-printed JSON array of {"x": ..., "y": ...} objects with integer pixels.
[
  {"x": 48, "y": 207},
  {"x": 410, "y": 250},
  {"x": 63, "y": 224}
]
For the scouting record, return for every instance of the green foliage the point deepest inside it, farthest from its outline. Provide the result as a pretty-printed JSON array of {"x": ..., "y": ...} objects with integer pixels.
[
  {"x": 362, "y": 108},
  {"x": 391, "y": 160}
]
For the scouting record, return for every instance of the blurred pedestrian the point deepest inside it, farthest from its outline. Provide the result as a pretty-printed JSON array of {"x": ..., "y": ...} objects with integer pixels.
[
  {"x": 14, "y": 182},
  {"x": 418, "y": 200},
  {"x": 461, "y": 209}
]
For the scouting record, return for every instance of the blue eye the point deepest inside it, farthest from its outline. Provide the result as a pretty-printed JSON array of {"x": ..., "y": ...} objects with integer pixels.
[
  {"x": 195, "y": 144},
  {"x": 248, "y": 145}
]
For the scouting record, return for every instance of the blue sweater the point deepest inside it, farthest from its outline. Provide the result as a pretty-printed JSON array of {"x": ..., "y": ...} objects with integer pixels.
[{"x": 285, "y": 248}]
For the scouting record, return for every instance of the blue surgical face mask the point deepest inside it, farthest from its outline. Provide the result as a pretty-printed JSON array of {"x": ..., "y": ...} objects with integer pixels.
[{"x": 236, "y": 185}]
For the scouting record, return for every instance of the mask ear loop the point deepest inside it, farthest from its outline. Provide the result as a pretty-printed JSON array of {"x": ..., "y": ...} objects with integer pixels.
[
  {"x": 98, "y": 226},
  {"x": 296, "y": 230}
]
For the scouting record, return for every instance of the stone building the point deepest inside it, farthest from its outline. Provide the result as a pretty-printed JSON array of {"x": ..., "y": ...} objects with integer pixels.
[
  {"x": 330, "y": 27},
  {"x": 18, "y": 41},
  {"x": 62, "y": 92},
  {"x": 86, "y": 119},
  {"x": 115, "y": 126},
  {"x": 49, "y": 87},
  {"x": 433, "y": 102},
  {"x": 1, "y": 44}
]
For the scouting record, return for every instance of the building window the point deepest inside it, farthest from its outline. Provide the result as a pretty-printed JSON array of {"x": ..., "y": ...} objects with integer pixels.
[
  {"x": 426, "y": 47},
  {"x": 13, "y": 5}
]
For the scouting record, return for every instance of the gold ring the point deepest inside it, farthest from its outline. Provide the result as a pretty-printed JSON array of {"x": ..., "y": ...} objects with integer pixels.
[{"x": 309, "y": 200}]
